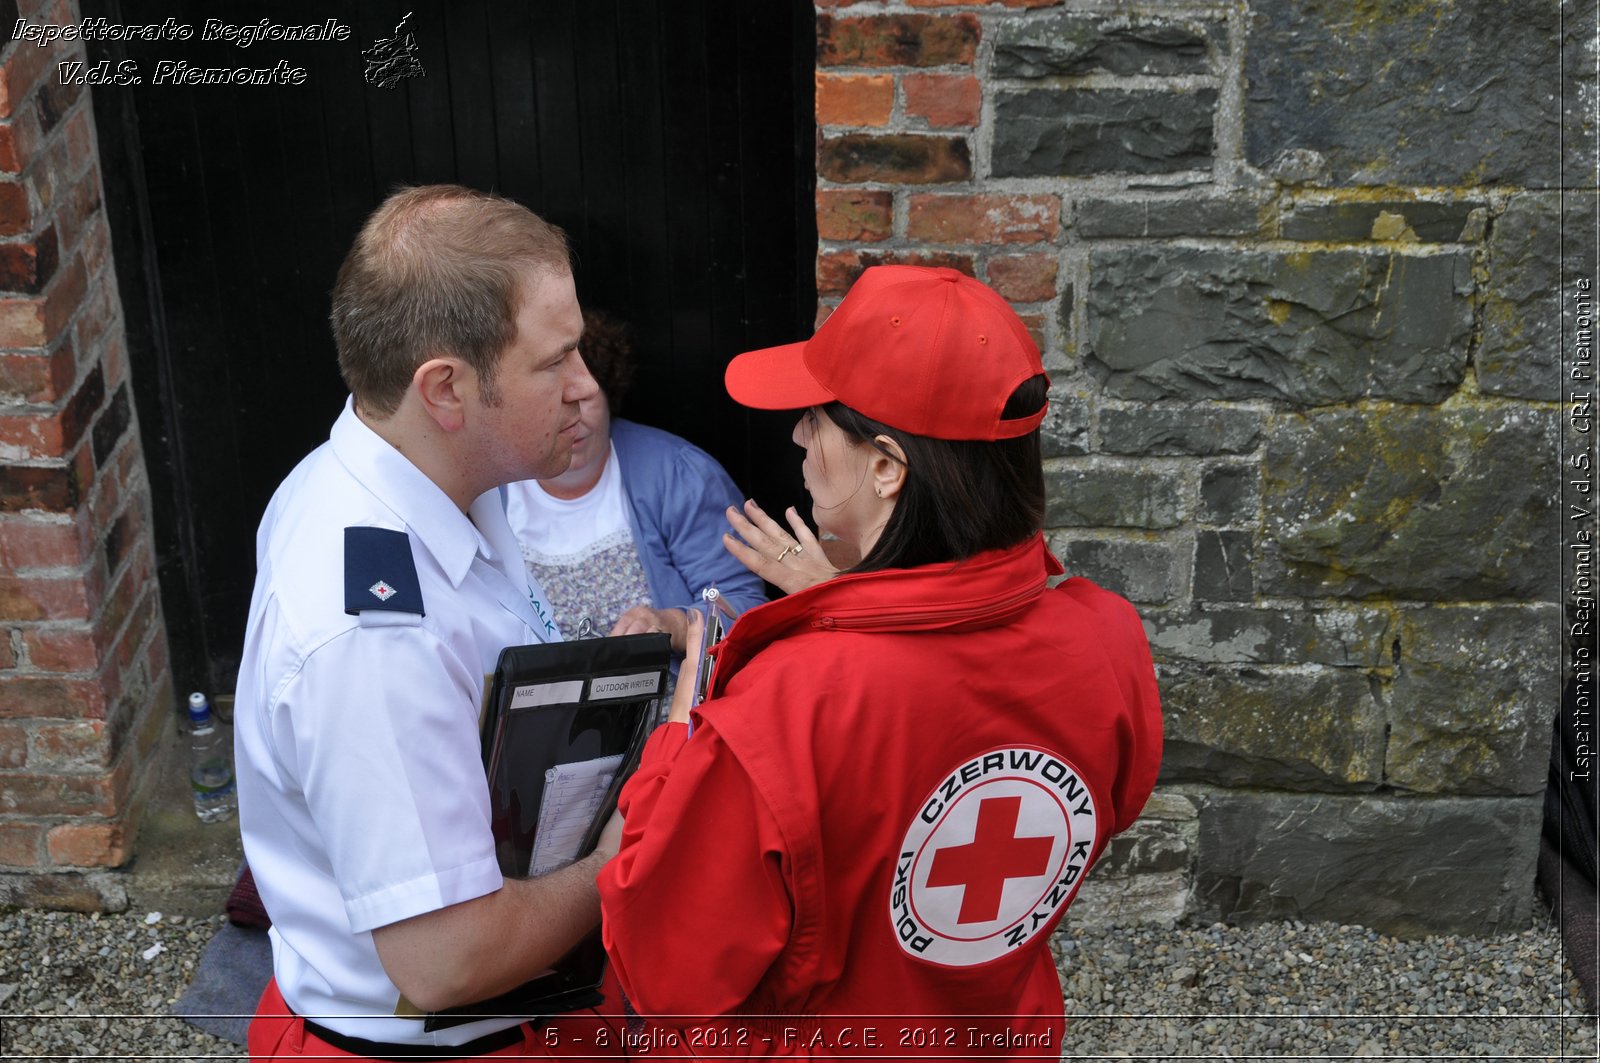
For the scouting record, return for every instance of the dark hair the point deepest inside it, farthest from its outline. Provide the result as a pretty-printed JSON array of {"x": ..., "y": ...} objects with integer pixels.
[
  {"x": 607, "y": 351},
  {"x": 436, "y": 270},
  {"x": 961, "y": 496}
]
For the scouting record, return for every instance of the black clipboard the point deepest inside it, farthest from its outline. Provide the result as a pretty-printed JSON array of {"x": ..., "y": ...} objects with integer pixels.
[{"x": 573, "y": 717}]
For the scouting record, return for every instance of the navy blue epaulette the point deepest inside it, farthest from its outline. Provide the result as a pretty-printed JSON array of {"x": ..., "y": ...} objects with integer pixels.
[{"x": 379, "y": 572}]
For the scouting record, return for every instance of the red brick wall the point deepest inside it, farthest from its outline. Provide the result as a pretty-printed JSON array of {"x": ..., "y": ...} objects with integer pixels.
[
  {"x": 899, "y": 104},
  {"x": 85, "y": 690}
]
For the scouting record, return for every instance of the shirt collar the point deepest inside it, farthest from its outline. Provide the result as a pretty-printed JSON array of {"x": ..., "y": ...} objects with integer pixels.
[{"x": 419, "y": 503}]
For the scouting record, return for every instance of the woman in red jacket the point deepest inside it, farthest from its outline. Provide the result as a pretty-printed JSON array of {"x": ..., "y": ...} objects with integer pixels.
[{"x": 903, "y": 772}]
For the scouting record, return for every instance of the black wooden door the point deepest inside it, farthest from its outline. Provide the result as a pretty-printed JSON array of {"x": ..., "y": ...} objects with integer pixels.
[{"x": 672, "y": 139}]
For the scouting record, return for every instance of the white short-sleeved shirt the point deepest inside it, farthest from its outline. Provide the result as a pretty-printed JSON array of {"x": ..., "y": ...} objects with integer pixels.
[{"x": 362, "y": 798}]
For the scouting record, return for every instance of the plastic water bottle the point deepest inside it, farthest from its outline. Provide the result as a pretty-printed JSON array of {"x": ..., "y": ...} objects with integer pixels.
[{"x": 210, "y": 764}]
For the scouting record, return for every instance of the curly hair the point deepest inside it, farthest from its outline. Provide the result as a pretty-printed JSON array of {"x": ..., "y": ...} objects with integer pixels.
[{"x": 607, "y": 350}]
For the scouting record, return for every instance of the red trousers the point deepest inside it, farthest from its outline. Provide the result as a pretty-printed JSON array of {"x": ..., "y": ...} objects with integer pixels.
[{"x": 276, "y": 1032}]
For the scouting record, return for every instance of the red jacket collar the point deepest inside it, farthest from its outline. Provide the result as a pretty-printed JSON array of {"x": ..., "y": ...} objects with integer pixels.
[{"x": 982, "y": 591}]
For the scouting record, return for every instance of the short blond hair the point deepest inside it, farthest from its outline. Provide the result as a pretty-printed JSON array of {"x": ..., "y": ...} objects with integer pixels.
[{"x": 436, "y": 269}]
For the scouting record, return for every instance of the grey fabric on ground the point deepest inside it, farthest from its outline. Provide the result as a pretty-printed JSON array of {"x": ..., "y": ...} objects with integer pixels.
[{"x": 227, "y": 984}]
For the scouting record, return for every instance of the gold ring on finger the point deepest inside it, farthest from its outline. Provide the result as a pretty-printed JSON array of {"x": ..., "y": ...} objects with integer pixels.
[{"x": 787, "y": 550}]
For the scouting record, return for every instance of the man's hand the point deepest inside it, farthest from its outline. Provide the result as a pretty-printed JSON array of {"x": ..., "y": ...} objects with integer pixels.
[
  {"x": 790, "y": 562},
  {"x": 642, "y": 619},
  {"x": 480, "y": 948}
]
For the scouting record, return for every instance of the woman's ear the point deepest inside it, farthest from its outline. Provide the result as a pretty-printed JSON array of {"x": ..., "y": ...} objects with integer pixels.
[
  {"x": 887, "y": 467},
  {"x": 438, "y": 384}
]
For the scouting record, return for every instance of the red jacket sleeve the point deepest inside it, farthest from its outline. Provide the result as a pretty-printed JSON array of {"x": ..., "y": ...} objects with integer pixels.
[
  {"x": 1121, "y": 632},
  {"x": 695, "y": 904}
]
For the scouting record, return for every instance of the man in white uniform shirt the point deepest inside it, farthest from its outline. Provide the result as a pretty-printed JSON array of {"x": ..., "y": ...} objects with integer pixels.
[{"x": 388, "y": 581}]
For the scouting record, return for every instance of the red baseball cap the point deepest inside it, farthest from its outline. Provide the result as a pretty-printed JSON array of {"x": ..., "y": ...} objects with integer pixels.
[{"x": 928, "y": 351}]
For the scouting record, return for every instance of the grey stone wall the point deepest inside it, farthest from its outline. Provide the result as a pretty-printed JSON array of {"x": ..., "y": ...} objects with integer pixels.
[{"x": 1303, "y": 311}]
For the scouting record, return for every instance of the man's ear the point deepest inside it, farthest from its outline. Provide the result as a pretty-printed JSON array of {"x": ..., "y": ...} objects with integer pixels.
[
  {"x": 439, "y": 384},
  {"x": 887, "y": 467}
]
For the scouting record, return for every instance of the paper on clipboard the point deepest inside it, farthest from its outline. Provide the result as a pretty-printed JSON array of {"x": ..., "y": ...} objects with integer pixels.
[{"x": 573, "y": 794}]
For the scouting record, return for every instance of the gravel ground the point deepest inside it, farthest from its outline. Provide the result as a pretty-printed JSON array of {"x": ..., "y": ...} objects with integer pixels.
[
  {"x": 83, "y": 986},
  {"x": 76, "y": 986},
  {"x": 1320, "y": 990}
]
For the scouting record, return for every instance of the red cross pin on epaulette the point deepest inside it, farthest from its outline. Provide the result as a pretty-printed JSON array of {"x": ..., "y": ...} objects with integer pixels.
[{"x": 380, "y": 575}]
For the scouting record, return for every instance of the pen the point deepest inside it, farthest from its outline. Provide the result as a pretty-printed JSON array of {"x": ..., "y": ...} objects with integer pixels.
[{"x": 715, "y": 611}]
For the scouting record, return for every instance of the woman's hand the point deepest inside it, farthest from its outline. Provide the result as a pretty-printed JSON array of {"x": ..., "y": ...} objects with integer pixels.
[
  {"x": 610, "y": 837},
  {"x": 790, "y": 562},
  {"x": 642, "y": 619},
  {"x": 683, "y": 694}
]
